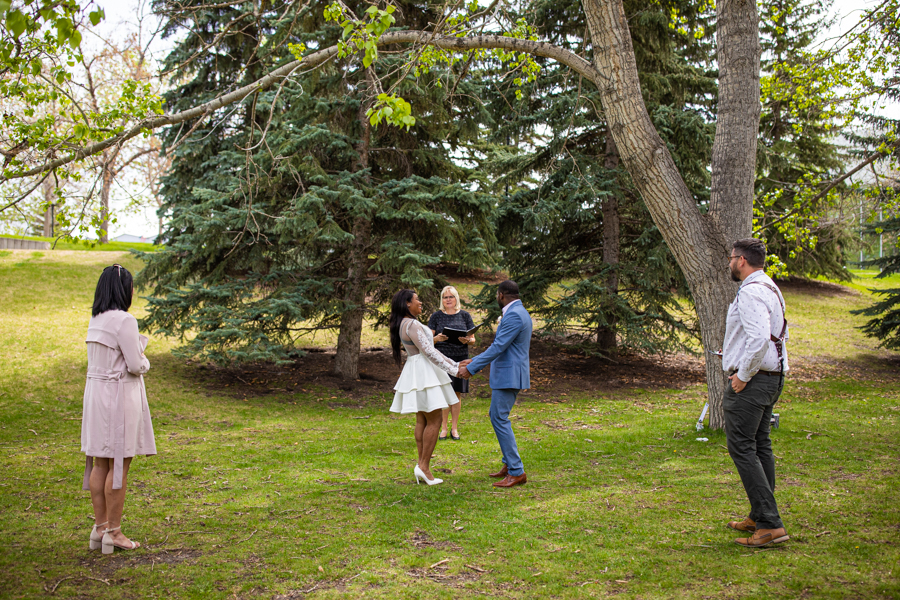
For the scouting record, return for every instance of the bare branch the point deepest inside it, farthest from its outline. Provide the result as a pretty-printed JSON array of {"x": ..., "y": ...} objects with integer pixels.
[
  {"x": 834, "y": 183},
  {"x": 318, "y": 58}
]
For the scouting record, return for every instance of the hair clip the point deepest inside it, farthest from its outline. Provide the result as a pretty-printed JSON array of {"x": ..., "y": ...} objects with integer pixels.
[{"x": 118, "y": 269}]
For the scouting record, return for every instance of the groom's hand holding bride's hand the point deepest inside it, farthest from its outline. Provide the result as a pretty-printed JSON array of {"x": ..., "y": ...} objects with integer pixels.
[{"x": 463, "y": 373}]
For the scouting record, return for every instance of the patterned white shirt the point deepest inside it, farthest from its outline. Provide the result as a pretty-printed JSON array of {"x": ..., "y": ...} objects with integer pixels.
[{"x": 754, "y": 315}]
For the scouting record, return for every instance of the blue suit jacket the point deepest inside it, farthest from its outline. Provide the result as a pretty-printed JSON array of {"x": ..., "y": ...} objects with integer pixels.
[{"x": 509, "y": 352}]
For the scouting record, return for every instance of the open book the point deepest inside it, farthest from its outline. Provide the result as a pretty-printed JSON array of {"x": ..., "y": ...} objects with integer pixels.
[{"x": 453, "y": 335}]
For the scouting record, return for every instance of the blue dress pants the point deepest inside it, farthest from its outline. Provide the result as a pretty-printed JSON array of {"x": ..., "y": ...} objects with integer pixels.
[{"x": 502, "y": 402}]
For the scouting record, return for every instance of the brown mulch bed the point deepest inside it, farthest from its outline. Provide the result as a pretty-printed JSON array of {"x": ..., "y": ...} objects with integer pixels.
[{"x": 555, "y": 370}]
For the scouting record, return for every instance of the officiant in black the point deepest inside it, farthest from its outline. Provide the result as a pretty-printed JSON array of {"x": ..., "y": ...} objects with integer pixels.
[{"x": 451, "y": 316}]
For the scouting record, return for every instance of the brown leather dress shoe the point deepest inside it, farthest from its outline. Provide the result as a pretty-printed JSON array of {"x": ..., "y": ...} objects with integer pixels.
[
  {"x": 764, "y": 537},
  {"x": 748, "y": 525},
  {"x": 511, "y": 480},
  {"x": 501, "y": 473}
]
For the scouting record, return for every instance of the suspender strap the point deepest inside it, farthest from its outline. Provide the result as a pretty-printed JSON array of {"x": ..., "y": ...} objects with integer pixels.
[{"x": 779, "y": 341}]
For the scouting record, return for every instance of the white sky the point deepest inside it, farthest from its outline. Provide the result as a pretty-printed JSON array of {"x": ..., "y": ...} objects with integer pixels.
[{"x": 121, "y": 18}]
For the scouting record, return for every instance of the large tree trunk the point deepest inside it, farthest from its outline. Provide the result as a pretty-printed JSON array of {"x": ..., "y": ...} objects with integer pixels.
[
  {"x": 606, "y": 334},
  {"x": 699, "y": 242},
  {"x": 346, "y": 361},
  {"x": 733, "y": 169}
]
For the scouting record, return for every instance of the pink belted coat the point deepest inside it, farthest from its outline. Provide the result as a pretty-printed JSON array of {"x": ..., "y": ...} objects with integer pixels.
[{"x": 115, "y": 421}]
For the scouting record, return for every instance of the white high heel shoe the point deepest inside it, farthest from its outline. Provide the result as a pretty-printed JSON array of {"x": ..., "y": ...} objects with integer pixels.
[
  {"x": 421, "y": 475},
  {"x": 109, "y": 546},
  {"x": 96, "y": 539}
]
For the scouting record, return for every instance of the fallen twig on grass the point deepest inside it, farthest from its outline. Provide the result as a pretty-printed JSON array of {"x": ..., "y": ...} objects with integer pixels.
[
  {"x": 248, "y": 537},
  {"x": 56, "y": 585},
  {"x": 474, "y": 568},
  {"x": 823, "y": 533},
  {"x": 440, "y": 562}
]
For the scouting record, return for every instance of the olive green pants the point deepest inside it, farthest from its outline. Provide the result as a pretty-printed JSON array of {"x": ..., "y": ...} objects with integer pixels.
[{"x": 747, "y": 418}]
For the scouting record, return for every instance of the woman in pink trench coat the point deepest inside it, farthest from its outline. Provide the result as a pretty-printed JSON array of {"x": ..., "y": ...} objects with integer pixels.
[{"x": 115, "y": 423}]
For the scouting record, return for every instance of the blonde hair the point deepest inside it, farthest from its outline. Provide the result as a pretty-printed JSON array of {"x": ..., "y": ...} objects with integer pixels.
[{"x": 453, "y": 291}]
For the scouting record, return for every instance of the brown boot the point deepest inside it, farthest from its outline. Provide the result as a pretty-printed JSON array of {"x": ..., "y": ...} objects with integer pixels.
[
  {"x": 511, "y": 480},
  {"x": 764, "y": 537},
  {"x": 748, "y": 525},
  {"x": 501, "y": 473}
]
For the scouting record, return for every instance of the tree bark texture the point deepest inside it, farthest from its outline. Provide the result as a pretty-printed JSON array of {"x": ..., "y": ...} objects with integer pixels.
[
  {"x": 606, "y": 334},
  {"x": 48, "y": 189},
  {"x": 106, "y": 178},
  {"x": 699, "y": 242},
  {"x": 346, "y": 360}
]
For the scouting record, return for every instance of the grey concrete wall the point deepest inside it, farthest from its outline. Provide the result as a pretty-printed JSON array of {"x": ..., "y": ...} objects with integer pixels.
[{"x": 7, "y": 243}]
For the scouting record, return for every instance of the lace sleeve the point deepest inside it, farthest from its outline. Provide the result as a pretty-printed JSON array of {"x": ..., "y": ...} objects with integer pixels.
[{"x": 424, "y": 343}]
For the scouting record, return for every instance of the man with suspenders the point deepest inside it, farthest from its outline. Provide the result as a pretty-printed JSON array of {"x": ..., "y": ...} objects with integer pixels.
[{"x": 755, "y": 359}]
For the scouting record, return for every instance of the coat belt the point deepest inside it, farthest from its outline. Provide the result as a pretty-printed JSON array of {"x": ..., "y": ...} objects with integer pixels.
[{"x": 116, "y": 425}]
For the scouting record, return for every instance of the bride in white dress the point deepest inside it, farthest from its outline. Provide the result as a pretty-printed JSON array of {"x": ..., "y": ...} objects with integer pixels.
[{"x": 424, "y": 387}]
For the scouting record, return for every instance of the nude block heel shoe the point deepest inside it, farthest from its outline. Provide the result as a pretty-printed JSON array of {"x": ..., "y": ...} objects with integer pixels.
[
  {"x": 109, "y": 546},
  {"x": 96, "y": 539},
  {"x": 421, "y": 475}
]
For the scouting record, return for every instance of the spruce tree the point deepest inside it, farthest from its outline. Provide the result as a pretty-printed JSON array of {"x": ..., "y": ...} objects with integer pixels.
[
  {"x": 883, "y": 133},
  {"x": 290, "y": 213},
  {"x": 570, "y": 215},
  {"x": 885, "y": 324}
]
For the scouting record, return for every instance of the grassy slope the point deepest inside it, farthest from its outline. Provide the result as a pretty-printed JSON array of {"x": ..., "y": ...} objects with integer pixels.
[{"x": 313, "y": 492}]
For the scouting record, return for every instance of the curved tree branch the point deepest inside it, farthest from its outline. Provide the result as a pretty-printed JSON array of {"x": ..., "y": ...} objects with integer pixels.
[
  {"x": 316, "y": 59},
  {"x": 833, "y": 184}
]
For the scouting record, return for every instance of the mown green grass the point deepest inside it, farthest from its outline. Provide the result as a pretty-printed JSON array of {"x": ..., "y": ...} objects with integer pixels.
[{"x": 312, "y": 494}]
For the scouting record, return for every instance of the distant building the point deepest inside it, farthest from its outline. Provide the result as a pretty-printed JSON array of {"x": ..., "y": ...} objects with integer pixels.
[{"x": 134, "y": 239}]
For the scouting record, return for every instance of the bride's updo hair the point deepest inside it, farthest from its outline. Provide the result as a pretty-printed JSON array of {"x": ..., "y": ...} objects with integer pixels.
[{"x": 399, "y": 311}]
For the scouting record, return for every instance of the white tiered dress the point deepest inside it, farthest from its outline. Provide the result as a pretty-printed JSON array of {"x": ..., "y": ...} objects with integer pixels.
[{"x": 423, "y": 385}]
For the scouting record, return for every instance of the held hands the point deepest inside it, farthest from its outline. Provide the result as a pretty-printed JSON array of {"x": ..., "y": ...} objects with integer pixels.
[
  {"x": 736, "y": 384},
  {"x": 468, "y": 340},
  {"x": 463, "y": 373}
]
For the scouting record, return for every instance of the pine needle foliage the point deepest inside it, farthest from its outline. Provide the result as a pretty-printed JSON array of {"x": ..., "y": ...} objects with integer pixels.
[
  {"x": 561, "y": 182},
  {"x": 290, "y": 214},
  {"x": 885, "y": 325}
]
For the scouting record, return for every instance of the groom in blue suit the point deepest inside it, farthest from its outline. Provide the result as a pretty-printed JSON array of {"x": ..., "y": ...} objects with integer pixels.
[{"x": 509, "y": 375}]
